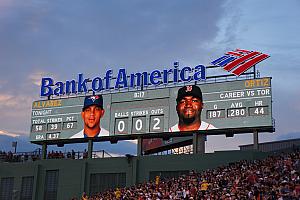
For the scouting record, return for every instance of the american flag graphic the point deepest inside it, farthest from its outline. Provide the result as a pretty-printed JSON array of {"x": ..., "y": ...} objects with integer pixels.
[{"x": 239, "y": 61}]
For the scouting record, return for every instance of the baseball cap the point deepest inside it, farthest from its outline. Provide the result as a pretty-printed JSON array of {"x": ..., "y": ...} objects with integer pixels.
[
  {"x": 189, "y": 90},
  {"x": 93, "y": 100}
]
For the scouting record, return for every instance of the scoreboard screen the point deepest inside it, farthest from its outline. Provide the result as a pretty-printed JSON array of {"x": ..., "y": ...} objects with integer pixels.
[{"x": 243, "y": 104}]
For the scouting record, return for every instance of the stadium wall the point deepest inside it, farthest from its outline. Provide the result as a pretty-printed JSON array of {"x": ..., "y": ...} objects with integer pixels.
[
  {"x": 66, "y": 178},
  {"x": 274, "y": 146}
]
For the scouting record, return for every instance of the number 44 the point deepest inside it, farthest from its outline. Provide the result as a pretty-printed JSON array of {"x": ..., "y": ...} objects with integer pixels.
[{"x": 259, "y": 111}]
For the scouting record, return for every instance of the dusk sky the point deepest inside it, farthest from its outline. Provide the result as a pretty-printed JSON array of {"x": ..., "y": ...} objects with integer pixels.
[{"x": 63, "y": 38}]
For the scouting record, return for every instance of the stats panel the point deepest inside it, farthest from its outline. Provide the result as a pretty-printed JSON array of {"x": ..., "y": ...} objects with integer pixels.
[
  {"x": 52, "y": 117},
  {"x": 243, "y": 104}
]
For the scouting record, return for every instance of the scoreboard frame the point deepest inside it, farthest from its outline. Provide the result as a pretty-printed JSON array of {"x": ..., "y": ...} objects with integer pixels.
[{"x": 52, "y": 137}]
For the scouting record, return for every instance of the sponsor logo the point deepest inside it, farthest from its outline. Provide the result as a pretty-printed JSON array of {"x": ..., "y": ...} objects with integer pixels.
[
  {"x": 239, "y": 61},
  {"x": 122, "y": 80},
  {"x": 93, "y": 98},
  {"x": 189, "y": 88}
]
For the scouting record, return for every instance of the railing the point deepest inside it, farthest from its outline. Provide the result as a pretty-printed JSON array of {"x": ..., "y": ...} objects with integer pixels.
[{"x": 37, "y": 155}]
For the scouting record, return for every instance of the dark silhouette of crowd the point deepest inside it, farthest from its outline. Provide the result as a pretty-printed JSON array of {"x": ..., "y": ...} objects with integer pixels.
[
  {"x": 37, "y": 155},
  {"x": 59, "y": 155},
  {"x": 18, "y": 157},
  {"x": 276, "y": 177},
  {"x": 69, "y": 155}
]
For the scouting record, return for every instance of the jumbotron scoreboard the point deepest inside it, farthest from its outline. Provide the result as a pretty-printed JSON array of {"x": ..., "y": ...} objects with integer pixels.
[{"x": 240, "y": 104}]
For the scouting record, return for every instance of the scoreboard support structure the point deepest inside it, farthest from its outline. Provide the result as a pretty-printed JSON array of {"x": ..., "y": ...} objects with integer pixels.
[
  {"x": 198, "y": 143},
  {"x": 90, "y": 149},
  {"x": 44, "y": 151},
  {"x": 139, "y": 146},
  {"x": 255, "y": 140}
]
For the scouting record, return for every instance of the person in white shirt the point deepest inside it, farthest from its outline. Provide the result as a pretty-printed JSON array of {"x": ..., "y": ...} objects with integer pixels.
[
  {"x": 91, "y": 114},
  {"x": 189, "y": 107}
]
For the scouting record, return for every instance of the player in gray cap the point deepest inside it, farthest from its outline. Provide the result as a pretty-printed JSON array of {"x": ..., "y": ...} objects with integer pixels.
[
  {"x": 91, "y": 114},
  {"x": 189, "y": 106}
]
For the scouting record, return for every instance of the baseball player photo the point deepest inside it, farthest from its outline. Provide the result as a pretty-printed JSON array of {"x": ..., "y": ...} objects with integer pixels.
[
  {"x": 189, "y": 107},
  {"x": 91, "y": 114}
]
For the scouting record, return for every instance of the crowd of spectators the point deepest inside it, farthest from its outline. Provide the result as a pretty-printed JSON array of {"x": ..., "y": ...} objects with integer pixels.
[
  {"x": 276, "y": 177},
  {"x": 70, "y": 155},
  {"x": 20, "y": 157},
  {"x": 32, "y": 156},
  {"x": 60, "y": 155}
]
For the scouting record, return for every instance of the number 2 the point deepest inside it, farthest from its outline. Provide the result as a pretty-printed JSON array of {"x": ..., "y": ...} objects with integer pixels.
[{"x": 156, "y": 127}]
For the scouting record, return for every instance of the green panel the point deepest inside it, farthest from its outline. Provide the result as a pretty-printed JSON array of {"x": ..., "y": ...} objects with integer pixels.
[
  {"x": 100, "y": 182},
  {"x": 6, "y": 188},
  {"x": 27, "y": 187},
  {"x": 75, "y": 175}
]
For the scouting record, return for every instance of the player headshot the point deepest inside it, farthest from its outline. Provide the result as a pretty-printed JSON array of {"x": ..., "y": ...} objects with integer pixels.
[
  {"x": 91, "y": 115},
  {"x": 189, "y": 107}
]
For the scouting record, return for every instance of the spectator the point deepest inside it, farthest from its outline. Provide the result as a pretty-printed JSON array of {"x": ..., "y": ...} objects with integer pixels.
[{"x": 275, "y": 177}]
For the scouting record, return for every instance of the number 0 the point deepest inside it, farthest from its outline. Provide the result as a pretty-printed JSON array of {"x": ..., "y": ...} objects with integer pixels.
[
  {"x": 121, "y": 126},
  {"x": 138, "y": 125}
]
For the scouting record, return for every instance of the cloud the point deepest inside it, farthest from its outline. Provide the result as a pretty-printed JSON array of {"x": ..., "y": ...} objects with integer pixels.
[
  {"x": 88, "y": 35},
  {"x": 228, "y": 25},
  {"x": 5, "y": 4},
  {"x": 2, "y": 83},
  {"x": 15, "y": 113},
  {"x": 11, "y": 134},
  {"x": 296, "y": 101},
  {"x": 14, "y": 102},
  {"x": 4, "y": 98},
  {"x": 36, "y": 77},
  {"x": 61, "y": 40}
]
